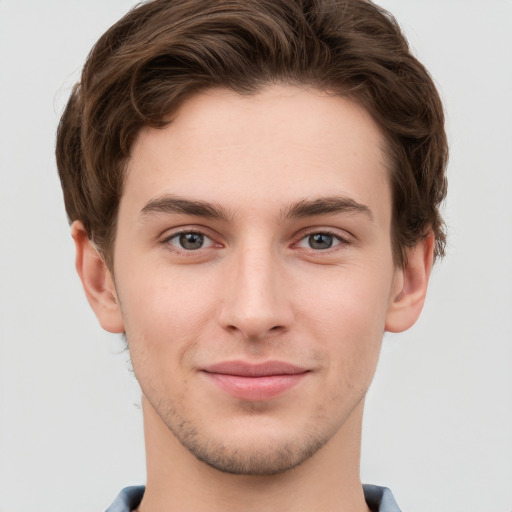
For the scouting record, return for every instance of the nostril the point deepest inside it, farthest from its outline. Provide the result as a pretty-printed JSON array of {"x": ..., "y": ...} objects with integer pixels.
[{"x": 252, "y": 332}]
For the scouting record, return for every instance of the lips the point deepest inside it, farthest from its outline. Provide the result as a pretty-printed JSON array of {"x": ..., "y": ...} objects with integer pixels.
[{"x": 255, "y": 382}]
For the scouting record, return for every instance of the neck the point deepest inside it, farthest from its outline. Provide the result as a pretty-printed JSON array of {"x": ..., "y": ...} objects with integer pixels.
[{"x": 176, "y": 480}]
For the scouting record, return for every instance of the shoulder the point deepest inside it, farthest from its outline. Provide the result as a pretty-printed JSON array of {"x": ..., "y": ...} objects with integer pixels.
[
  {"x": 128, "y": 499},
  {"x": 380, "y": 499}
]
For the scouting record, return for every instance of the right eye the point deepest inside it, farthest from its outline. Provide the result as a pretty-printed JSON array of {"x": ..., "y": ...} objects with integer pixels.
[{"x": 190, "y": 241}]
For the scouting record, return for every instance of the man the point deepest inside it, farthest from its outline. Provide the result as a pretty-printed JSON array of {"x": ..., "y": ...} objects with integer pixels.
[{"x": 254, "y": 192}]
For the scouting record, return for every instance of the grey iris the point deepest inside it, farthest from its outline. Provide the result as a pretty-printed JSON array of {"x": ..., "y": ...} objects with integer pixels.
[
  {"x": 320, "y": 241},
  {"x": 191, "y": 241}
]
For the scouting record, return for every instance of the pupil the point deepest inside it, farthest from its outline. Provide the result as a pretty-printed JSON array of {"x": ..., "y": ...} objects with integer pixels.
[
  {"x": 191, "y": 241},
  {"x": 320, "y": 241}
]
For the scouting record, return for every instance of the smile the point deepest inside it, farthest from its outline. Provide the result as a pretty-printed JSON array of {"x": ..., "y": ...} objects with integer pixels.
[{"x": 255, "y": 382}]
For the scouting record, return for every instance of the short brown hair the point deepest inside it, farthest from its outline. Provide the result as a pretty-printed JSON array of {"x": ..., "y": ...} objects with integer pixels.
[{"x": 163, "y": 51}]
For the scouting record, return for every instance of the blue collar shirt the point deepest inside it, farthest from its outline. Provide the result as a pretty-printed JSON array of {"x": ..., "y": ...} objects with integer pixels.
[{"x": 379, "y": 499}]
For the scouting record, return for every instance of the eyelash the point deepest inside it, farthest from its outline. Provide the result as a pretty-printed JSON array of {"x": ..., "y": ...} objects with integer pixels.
[
  {"x": 188, "y": 252},
  {"x": 341, "y": 241}
]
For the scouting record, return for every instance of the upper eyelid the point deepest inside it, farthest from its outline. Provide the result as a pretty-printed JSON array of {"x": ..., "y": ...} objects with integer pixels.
[
  {"x": 336, "y": 232},
  {"x": 341, "y": 234},
  {"x": 183, "y": 232},
  {"x": 340, "y": 241},
  {"x": 169, "y": 233},
  {"x": 182, "y": 251},
  {"x": 187, "y": 232},
  {"x": 168, "y": 240}
]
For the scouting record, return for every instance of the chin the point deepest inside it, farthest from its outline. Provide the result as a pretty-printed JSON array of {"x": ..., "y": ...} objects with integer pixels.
[{"x": 269, "y": 457}]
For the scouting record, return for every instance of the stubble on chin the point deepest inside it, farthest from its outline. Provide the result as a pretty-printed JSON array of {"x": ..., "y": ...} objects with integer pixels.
[{"x": 258, "y": 457}]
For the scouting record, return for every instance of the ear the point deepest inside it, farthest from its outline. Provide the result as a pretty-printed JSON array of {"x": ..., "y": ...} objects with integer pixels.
[
  {"x": 97, "y": 281},
  {"x": 410, "y": 287}
]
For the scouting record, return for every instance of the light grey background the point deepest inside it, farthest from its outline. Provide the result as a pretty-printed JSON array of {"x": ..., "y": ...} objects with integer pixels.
[{"x": 438, "y": 427}]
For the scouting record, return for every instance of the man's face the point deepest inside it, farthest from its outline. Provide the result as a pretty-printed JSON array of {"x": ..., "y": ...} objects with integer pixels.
[{"x": 254, "y": 271}]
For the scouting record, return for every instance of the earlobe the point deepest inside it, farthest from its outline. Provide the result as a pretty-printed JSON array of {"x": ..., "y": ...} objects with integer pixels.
[
  {"x": 96, "y": 280},
  {"x": 409, "y": 295}
]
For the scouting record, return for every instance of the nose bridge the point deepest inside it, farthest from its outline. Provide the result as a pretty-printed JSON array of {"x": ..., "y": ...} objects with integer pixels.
[{"x": 256, "y": 302}]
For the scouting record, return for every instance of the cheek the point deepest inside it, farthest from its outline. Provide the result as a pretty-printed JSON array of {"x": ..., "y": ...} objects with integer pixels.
[
  {"x": 164, "y": 314},
  {"x": 351, "y": 301},
  {"x": 163, "y": 326},
  {"x": 164, "y": 294},
  {"x": 346, "y": 316}
]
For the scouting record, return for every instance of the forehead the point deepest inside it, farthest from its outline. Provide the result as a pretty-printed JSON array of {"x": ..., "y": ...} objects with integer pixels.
[{"x": 278, "y": 146}]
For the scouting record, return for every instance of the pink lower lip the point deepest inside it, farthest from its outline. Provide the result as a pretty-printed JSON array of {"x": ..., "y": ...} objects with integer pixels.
[{"x": 256, "y": 388}]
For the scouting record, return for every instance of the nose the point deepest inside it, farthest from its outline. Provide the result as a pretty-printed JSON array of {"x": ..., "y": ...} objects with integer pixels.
[{"x": 256, "y": 302}]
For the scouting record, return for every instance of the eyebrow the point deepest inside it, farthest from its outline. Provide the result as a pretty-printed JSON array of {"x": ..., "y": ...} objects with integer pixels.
[
  {"x": 169, "y": 204},
  {"x": 325, "y": 206}
]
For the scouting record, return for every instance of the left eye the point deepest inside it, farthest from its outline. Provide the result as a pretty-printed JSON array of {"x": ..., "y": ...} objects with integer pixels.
[
  {"x": 190, "y": 241},
  {"x": 320, "y": 241}
]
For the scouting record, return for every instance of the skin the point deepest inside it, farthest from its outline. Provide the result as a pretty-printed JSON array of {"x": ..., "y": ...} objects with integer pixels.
[{"x": 274, "y": 170}]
